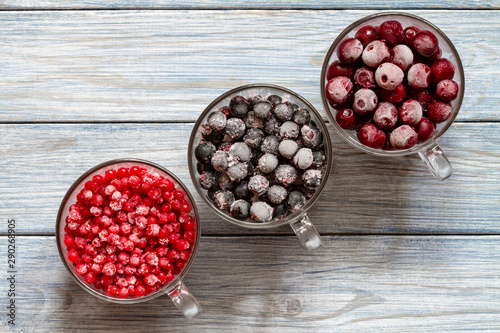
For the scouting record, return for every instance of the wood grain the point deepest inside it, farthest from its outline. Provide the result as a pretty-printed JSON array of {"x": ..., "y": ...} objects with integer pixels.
[
  {"x": 261, "y": 4},
  {"x": 143, "y": 66},
  {"x": 354, "y": 284},
  {"x": 364, "y": 194}
]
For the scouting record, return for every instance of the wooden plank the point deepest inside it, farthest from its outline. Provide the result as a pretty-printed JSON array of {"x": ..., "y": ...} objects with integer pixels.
[
  {"x": 364, "y": 194},
  {"x": 354, "y": 284},
  {"x": 261, "y": 4},
  {"x": 169, "y": 65}
]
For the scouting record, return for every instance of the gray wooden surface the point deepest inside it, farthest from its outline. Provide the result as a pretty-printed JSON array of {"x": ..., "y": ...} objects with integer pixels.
[{"x": 89, "y": 81}]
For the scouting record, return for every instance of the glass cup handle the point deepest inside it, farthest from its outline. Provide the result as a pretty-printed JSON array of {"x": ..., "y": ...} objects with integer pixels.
[
  {"x": 437, "y": 162},
  {"x": 307, "y": 233},
  {"x": 185, "y": 301}
]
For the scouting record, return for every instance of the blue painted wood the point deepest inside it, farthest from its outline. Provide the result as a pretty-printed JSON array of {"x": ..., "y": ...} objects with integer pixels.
[
  {"x": 269, "y": 284},
  {"x": 258, "y": 4},
  {"x": 364, "y": 194},
  {"x": 169, "y": 65}
]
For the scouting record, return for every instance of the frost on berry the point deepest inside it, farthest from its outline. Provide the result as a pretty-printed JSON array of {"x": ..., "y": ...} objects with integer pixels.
[{"x": 113, "y": 232}]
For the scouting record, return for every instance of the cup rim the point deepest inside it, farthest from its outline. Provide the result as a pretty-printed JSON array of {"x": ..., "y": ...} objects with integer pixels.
[
  {"x": 167, "y": 287},
  {"x": 431, "y": 142},
  {"x": 274, "y": 223}
]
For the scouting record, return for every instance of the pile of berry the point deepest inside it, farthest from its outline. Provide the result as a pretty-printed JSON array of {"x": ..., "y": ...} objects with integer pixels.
[
  {"x": 391, "y": 85},
  {"x": 129, "y": 231},
  {"x": 260, "y": 158}
]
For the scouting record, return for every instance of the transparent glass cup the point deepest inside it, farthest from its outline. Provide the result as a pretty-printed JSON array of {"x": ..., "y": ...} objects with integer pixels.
[
  {"x": 429, "y": 151},
  {"x": 299, "y": 221},
  {"x": 177, "y": 291}
]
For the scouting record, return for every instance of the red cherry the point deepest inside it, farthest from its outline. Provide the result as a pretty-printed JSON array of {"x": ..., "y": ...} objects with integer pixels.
[
  {"x": 366, "y": 34},
  {"x": 424, "y": 129},
  {"x": 338, "y": 68},
  {"x": 392, "y": 32},
  {"x": 371, "y": 136}
]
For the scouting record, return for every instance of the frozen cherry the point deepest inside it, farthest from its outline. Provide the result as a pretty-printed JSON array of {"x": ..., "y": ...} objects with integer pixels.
[
  {"x": 419, "y": 76},
  {"x": 402, "y": 56},
  {"x": 385, "y": 115},
  {"x": 364, "y": 77},
  {"x": 403, "y": 137},
  {"x": 347, "y": 119},
  {"x": 447, "y": 90},
  {"x": 375, "y": 53},
  {"x": 366, "y": 34},
  {"x": 436, "y": 56},
  {"x": 438, "y": 111},
  {"x": 442, "y": 69},
  {"x": 338, "y": 68},
  {"x": 365, "y": 101},
  {"x": 392, "y": 32},
  {"x": 409, "y": 35},
  {"x": 422, "y": 96},
  {"x": 411, "y": 112},
  {"x": 239, "y": 106},
  {"x": 371, "y": 136},
  {"x": 425, "y": 43},
  {"x": 349, "y": 50},
  {"x": 424, "y": 129},
  {"x": 388, "y": 76},
  {"x": 395, "y": 96},
  {"x": 338, "y": 90}
]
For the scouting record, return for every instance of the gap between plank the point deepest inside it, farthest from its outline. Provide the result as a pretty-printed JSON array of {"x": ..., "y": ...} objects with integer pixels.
[
  {"x": 230, "y": 235},
  {"x": 188, "y": 121},
  {"x": 238, "y": 8}
]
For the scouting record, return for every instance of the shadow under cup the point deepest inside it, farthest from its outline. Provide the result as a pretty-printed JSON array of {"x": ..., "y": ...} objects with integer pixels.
[
  {"x": 177, "y": 291},
  {"x": 299, "y": 221},
  {"x": 429, "y": 151}
]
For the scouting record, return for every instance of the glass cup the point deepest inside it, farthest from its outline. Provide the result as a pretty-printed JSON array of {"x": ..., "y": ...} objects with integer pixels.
[
  {"x": 177, "y": 291},
  {"x": 299, "y": 221},
  {"x": 429, "y": 151}
]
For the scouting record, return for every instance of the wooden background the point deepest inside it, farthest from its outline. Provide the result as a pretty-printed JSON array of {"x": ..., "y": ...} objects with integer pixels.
[{"x": 82, "y": 82}]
